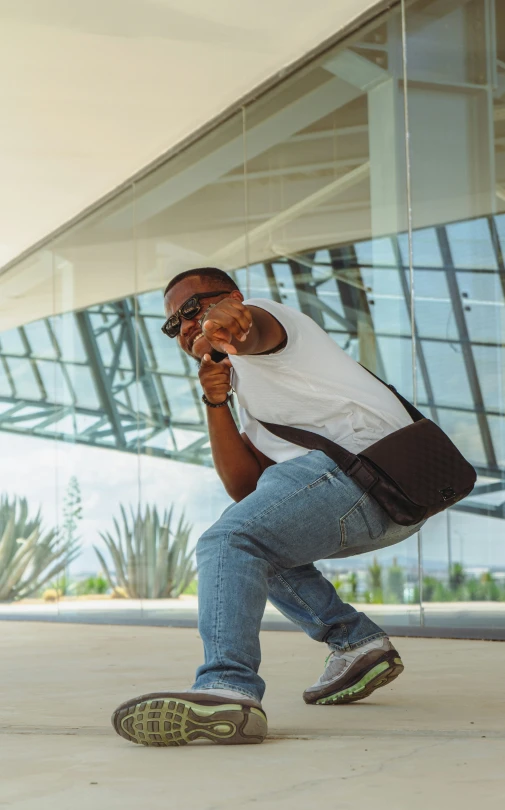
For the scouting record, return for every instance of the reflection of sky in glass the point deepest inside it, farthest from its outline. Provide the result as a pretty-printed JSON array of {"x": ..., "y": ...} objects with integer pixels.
[
  {"x": 40, "y": 340},
  {"x": 425, "y": 248},
  {"x": 497, "y": 428},
  {"x": 151, "y": 303},
  {"x": 429, "y": 284},
  {"x": 471, "y": 245},
  {"x": 182, "y": 403},
  {"x": 447, "y": 371},
  {"x": 24, "y": 379},
  {"x": 11, "y": 343},
  {"x": 485, "y": 323},
  {"x": 5, "y": 388},
  {"x": 390, "y": 315},
  {"x": 464, "y": 431},
  {"x": 376, "y": 252},
  {"x": 396, "y": 355},
  {"x": 166, "y": 351},
  {"x": 54, "y": 382},
  {"x": 490, "y": 363},
  {"x": 436, "y": 319},
  {"x": 480, "y": 286},
  {"x": 284, "y": 280},
  {"x": 258, "y": 282},
  {"x": 68, "y": 337}
]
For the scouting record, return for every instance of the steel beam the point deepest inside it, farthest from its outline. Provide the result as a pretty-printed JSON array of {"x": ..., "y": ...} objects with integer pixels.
[
  {"x": 466, "y": 348},
  {"x": 99, "y": 375}
]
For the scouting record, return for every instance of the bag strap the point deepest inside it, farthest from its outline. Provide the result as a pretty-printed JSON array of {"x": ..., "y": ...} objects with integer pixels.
[
  {"x": 313, "y": 441},
  {"x": 412, "y": 411}
]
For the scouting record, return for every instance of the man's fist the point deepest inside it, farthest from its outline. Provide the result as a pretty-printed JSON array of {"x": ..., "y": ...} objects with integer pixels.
[
  {"x": 215, "y": 379},
  {"x": 226, "y": 321}
]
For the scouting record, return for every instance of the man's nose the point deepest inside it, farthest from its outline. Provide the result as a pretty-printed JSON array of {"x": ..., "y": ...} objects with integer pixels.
[{"x": 187, "y": 326}]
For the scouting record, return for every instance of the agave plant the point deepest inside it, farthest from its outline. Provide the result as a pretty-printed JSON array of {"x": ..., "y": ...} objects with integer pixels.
[
  {"x": 28, "y": 557},
  {"x": 150, "y": 561}
]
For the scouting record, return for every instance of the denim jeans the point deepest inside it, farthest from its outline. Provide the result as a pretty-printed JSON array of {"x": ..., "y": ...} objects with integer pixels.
[{"x": 264, "y": 547}]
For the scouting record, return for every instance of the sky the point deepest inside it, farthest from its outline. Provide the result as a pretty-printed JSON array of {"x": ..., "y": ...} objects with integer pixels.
[{"x": 40, "y": 469}]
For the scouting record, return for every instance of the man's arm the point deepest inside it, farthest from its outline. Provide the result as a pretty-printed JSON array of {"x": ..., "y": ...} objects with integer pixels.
[
  {"x": 233, "y": 328},
  {"x": 238, "y": 462}
]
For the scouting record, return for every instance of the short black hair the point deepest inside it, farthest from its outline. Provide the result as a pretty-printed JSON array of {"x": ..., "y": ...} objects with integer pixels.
[{"x": 221, "y": 278}]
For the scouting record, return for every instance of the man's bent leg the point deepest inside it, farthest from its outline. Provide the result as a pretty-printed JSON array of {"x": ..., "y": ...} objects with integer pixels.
[
  {"x": 292, "y": 519},
  {"x": 309, "y": 600}
]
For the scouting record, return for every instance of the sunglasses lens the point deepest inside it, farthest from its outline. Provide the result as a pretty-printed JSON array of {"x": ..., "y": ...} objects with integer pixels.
[
  {"x": 172, "y": 327},
  {"x": 190, "y": 308}
]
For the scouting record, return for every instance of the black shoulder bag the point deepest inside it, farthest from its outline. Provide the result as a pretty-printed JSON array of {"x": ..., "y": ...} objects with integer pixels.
[{"x": 413, "y": 473}]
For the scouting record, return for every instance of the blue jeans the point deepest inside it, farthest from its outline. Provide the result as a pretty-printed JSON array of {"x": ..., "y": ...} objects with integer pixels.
[{"x": 264, "y": 548}]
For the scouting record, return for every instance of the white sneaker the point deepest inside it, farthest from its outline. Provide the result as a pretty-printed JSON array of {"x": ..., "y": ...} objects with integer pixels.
[
  {"x": 354, "y": 674},
  {"x": 179, "y": 718}
]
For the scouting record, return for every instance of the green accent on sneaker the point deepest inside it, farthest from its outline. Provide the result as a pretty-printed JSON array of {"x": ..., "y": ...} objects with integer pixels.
[
  {"x": 177, "y": 721},
  {"x": 357, "y": 687}
]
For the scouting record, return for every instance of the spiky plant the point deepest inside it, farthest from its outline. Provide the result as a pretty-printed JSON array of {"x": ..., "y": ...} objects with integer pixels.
[
  {"x": 28, "y": 558},
  {"x": 149, "y": 560}
]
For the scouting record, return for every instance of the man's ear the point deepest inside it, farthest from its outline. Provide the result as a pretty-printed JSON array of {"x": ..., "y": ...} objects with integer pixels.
[{"x": 236, "y": 295}]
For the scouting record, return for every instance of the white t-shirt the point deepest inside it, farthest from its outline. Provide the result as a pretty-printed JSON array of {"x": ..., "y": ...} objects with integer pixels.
[{"x": 313, "y": 384}]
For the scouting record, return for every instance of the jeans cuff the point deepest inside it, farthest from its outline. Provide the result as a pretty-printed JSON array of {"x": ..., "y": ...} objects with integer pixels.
[
  {"x": 230, "y": 687},
  {"x": 356, "y": 644}
]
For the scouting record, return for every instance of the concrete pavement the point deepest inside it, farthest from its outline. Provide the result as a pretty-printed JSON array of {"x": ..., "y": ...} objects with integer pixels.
[{"x": 433, "y": 739}]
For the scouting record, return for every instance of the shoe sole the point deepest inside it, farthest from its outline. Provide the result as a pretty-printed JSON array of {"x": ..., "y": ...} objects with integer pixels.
[
  {"x": 379, "y": 675},
  {"x": 177, "y": 721}
]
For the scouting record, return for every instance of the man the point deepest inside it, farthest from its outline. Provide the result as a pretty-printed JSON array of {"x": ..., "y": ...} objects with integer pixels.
[{"x": 293, "y": 507}]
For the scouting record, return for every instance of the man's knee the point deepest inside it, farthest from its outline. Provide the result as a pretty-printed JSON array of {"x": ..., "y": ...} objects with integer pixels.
[{"x": 228, "y": 535}]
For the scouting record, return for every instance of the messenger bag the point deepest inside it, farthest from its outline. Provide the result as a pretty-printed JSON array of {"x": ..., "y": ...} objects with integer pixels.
[{"x": 413, "y": 473}]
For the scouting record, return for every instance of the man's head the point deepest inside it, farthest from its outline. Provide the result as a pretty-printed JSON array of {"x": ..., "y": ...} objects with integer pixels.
[{"x": 197, "y": 282}]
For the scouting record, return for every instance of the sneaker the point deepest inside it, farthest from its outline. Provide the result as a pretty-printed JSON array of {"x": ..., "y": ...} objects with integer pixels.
[
  {"x": 355, "y": 674},
  {"x": 179, "y": 718}
]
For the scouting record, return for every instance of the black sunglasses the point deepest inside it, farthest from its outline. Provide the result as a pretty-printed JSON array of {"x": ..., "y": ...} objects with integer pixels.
[{"x": 188, "y": 311}]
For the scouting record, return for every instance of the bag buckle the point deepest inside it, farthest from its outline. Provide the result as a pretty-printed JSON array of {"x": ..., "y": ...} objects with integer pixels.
[
  {"x": 355, "y": 466},
  {"x": 447, "y": 493}
]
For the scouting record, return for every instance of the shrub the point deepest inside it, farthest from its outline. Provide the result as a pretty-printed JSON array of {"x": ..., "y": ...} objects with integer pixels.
[
  {"x": 92, "y": 585},
  {"x": 395, "y": 582},
  {"x": 29, "y": 558},
  {"x": 149, "y": 560}
]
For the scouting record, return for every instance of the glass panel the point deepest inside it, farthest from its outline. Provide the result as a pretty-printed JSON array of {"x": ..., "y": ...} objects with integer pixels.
[
  {"x": 186, "y": 213},
  {"x": 5, "y": 385},
  {"x": 11, "y": 342},
  {"x": 54, "y": 379},
  {"x": 315, "y": 219},
  {"x": 39, "y": 339},
  {"x": 456, "y": 140},
  {"x": 25, "y": 382},
  {"x": 448, "y": 373},
  {"x": 166, "y": 355},
  {"x": 490, "y": 362},
  {"x": 326, "y": 205},
  {"x": 96, "y": 465},
  {"x": 28, "y": 465}
]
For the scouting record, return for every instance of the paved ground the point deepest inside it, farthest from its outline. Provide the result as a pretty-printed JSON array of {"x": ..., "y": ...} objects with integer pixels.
[{"x": 435, "y": 739}]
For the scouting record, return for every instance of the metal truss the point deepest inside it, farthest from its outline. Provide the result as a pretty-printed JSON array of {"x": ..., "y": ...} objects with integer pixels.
[
  {"x": 132, "y": 407},
  {"x": 134, "y": 401}
]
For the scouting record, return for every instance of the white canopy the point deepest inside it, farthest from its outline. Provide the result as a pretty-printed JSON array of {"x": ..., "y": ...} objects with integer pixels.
[{"x": 91, "y": 91}]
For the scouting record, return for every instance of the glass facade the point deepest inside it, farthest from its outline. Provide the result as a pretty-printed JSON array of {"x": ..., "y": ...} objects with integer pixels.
[{"x": 368, "y": 191}]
